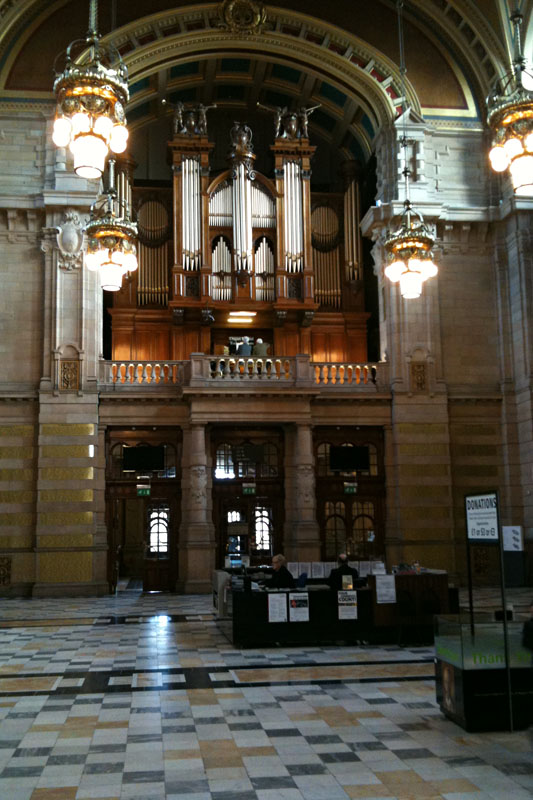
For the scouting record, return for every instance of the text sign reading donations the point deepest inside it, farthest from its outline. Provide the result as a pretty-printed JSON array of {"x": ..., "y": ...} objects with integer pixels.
[{"x": 482, "y": 517}]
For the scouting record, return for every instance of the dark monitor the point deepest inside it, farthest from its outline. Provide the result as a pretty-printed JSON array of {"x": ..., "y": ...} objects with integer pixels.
[
  {"x": 348, "y": 459},
  {"x": 144, "y": 458}
]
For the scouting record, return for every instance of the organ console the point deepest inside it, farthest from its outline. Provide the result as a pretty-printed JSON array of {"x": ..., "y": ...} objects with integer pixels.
[{"x": 241, "y": 240}]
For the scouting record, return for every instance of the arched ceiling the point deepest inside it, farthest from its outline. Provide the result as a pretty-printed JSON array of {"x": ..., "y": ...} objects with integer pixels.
[{"x": 342, "y": 54}]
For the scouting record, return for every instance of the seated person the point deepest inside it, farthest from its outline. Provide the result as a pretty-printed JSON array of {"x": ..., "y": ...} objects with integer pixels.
[
  {"x": 245, "y": 348},
  {"x": 335, "y": 576},
  {"x": 281, "y": 577},
  {"x": 260, "y": 349}
]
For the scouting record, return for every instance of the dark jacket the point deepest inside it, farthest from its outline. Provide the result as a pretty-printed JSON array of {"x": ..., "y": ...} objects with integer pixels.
[
  {"x": 281, "y": 579},
  {"x": 335, "y": 576},
  {"x": 244, "y": 349}
]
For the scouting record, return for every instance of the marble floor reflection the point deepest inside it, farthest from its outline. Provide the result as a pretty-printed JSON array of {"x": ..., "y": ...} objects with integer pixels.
[{"x": 140, "y": 697}]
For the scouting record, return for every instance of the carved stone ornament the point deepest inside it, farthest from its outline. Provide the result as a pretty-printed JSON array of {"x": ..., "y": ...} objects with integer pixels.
[
  {"x": 198, "y": 485},
  {"x": 242, "y": 16},
  {"x": 70, "y": 241}
]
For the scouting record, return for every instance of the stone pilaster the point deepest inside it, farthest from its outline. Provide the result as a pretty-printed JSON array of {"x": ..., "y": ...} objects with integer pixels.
[
  {"x": 302, "y": 535},
  {"x": 197, "y": 535},
  {"x": 69, "y": 544}
]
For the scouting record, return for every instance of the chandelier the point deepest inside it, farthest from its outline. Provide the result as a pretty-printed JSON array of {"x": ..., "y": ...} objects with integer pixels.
[
  {"x": 510, "y": 118},
  {"x": 409, "y": 247},
  {"x": 91, "y": 97},
  {"x": 111, "y": 238}
]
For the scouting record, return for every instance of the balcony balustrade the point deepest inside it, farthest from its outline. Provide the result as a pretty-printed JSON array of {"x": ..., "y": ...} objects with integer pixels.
[{"x": 221, "y": 372}]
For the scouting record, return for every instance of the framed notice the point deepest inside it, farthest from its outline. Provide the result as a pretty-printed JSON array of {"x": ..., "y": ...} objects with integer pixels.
[
  {"x": 277, "y": 607},
  {"x": 482, "y": 517},
  {"x": 347, "y": 605},
  {"x": 298, "y": 607},
  {"x": 513, "y": 538},
  {"x": 385, "y": 589}
]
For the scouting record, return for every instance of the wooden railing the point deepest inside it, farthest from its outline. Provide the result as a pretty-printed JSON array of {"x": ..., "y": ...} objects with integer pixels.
[{"x": 204, "y": 371}]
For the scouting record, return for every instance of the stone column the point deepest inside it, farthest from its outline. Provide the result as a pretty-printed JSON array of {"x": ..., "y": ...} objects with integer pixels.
[
  {"x": 197, "y": 534},
  {"x": 302, "y": 538}
]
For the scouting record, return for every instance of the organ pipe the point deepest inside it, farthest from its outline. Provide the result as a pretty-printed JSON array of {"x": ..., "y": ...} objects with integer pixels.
[
  {"x": 191, "y": 214},
  {"x": 293, "y": 217},
  {"x": 352, "y": 238},
  {"x": 242, "y": 220}
]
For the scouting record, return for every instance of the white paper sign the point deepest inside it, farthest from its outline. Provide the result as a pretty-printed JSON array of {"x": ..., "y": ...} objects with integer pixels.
[
  {"x": 292, "y": 566},
  {"x": 364, "y": 568},
  {"x": 378, "y": 568},
  {"x": 277, "y": 607},
  {"x": 482, "y": 517},
  {"x": 347, "y": 604},
  {"x": 304, "y": 566},
  {"x": 317, "y": 569},
  {"x": 328, "y": 566},
  {"x": 513, "y": 538},
  {"x": 298, "y": 607},
  {"x": 385, "y": 589}
]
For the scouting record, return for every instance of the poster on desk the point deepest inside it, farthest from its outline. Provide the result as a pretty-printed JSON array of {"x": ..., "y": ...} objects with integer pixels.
[
  {"x": 385, "y": 589},
  {"x": 347, "y": 604},
  {"x": 277, "y": 607},
  {"x": 298, "y": 607}
]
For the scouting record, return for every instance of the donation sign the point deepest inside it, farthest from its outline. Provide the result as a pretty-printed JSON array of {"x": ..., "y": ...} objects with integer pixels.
[{"x": 482, "y": 517}]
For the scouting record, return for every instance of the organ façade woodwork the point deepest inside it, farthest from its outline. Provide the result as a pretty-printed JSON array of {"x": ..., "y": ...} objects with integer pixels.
[{"x": 242, "y": 241}]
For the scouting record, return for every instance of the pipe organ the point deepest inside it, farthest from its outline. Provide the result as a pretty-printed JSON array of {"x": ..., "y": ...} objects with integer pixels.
[{"x": 241, "y": 240}]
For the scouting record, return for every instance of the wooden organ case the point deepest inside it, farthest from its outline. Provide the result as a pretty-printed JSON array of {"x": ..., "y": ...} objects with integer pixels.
[{"x": 241, "y": 241}]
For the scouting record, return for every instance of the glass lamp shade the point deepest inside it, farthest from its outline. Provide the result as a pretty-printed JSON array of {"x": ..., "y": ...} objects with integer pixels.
[
  {"x": 94, "y": 259},
  {"x": 89, "y": 153},
  {"x": 130, "y": 262},
  {"x": 499, "y": 159},
  {"x": 521, "y": 170},
  {"x": 411, "y": 285},
  {"x": 424, "y": 266},
  {"x": 395, "y": 270},
  {"x": 118, "y": 138},
  {"x": 513, "y": 147},
  {"x": 111, "y": 276},
  {"x": 62, "y": 131}
]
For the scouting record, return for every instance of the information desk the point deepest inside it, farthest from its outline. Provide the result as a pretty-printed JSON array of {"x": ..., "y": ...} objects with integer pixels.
[
  {"x": 471, "y": 674},
  {"x": 244, "y": 615},
  {"x": 248, "y": 622}
]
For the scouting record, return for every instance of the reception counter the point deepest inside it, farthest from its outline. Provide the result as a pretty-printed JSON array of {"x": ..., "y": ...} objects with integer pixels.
[{"x": 247, "y": 620}]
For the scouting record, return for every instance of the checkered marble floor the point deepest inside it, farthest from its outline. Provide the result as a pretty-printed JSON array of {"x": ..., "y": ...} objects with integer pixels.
[{"x": 138, "y": 697}]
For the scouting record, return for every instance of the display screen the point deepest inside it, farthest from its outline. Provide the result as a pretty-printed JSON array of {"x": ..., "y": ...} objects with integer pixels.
[
  {"x": 348, "y": 459},
  {"x": 144, "y": 458}
]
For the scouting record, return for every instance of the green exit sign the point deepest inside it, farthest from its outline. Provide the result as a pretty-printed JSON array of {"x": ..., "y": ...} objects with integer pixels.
[
  {"x": 350, "y": 488},
  {"x": 248, "y": 488},
  {"x": 143, "y": 491}
]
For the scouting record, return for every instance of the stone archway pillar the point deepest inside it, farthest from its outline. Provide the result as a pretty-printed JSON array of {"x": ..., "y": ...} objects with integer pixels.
[
  {"x": 197, "y": 533},
  {"x": 302, "y": 536}
]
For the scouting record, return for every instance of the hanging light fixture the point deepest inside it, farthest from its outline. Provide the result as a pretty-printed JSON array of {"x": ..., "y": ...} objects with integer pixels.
[
  {"x": 409, "y": 247},
  {"x": 111, "y": 238},
  {"x": 510, "y": 118},
  {"x": 91, "y": 97}
]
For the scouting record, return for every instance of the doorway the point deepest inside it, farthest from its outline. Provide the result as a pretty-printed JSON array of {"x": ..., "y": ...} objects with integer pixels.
[
  {"x": 144, "y": 542},
  {"x": 248, "y": 494}
]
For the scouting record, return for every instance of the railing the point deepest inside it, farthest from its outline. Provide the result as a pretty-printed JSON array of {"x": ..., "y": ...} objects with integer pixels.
[
  {"x": 204, "y": 371},
  {"x": 142, "y": 373}
]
